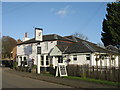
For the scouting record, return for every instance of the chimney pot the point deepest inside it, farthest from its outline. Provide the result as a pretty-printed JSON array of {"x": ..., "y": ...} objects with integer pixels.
[{"x": 26, "y": 35}]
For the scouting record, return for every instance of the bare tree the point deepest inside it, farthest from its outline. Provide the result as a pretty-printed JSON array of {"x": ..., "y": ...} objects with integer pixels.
[
  {"x": 100, "y": 45},
  {"x": 79, "y": 35},
  {"x": 8, "y": 43}
]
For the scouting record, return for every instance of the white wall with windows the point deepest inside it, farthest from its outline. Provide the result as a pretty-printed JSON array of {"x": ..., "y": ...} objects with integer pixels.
[
  {"x": 104, "y": 60},
  {"x": 30, "y": 50},
  {"x": 80, "y": 58}
]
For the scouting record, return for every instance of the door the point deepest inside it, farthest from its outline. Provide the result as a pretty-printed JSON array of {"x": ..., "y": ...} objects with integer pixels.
[{"x": 60, "y": 59}]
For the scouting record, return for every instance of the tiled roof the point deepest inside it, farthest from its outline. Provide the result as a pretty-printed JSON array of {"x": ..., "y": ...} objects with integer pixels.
[
  {"x": 50, "y": 37},
  {"x": 71, "y": 44},
  {"x": 77, "y": 48},
  {"x": 112, "y": 48},
  {"x": 28, "y": 41},
  {"x": 53, "y": 37},
  {"x": 85, "y": 46}
]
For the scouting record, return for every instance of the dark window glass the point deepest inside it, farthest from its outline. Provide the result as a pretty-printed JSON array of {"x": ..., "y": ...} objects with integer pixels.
[
  {"x": 47, "y": 61},
  {"x": 24, "y": 58},
  {"x": 75, "y": 57},
  {"x": 42, "y": 60},
  {"x": 46, "y": 57},
  {"x": 20, "y": 58},
  {"x": 60, "y": 59},
  {"x": 42, "y": 57},
  {"x": 88, "y": 57}
]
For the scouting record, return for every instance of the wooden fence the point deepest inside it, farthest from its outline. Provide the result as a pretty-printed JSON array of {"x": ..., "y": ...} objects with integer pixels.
[{"x": 102, "y": 73}]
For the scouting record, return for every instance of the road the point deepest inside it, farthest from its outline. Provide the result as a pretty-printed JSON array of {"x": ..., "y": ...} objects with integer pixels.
[{"x": 10, "y": 80}]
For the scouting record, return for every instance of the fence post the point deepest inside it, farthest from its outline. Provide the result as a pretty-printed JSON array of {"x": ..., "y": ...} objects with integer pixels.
[
  {"x": 83, "y": 69},
  {"x": 93, "y": 72},
  {"x": 114, "y": 79},
  {"x": 87, "y": 73},
  {"x": 105, "y": 72},
  {"x": 97, "y": 73}
]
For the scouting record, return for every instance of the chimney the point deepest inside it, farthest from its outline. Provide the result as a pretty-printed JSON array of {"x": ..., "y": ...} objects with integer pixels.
[{"x": 26, "y": 35}]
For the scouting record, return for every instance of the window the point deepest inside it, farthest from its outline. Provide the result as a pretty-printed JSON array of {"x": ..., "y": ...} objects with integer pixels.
[
  {"x": 51, "y": 59},
  {"x": 21, "y": 58},
  {"x": 87, "y": 56},
  {"x": 25, "y": 60},
  {"x": 47, "y": 60},
  {"x": 75, "y": 57},
  {"x": 42, "y": 60}
]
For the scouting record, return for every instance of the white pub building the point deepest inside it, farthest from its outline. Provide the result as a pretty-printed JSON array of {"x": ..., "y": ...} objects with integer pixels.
[{"x": 54, "y": 49}]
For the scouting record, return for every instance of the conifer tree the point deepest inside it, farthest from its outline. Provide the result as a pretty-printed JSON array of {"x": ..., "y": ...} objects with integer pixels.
[{"x": 111, "y": 25}]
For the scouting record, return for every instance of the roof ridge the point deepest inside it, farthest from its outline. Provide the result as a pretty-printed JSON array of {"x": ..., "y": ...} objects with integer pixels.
[
  {"x": 74, "y": 38},
  {"x": 49, "y": 34},
  {"x": 68, "y": 38},
  {"x": 65, "y": 49},
  {"x": 55, "y": 36},
  {"x": 88, "y": 46}
]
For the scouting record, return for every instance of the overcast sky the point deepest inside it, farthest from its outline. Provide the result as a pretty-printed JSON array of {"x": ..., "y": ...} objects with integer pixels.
[{"x": 62, "y": 18}]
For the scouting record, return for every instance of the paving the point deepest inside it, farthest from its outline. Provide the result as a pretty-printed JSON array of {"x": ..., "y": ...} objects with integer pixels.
[
  {"x": 11, "y": 80},
  {"x": 63, "y": 81}
]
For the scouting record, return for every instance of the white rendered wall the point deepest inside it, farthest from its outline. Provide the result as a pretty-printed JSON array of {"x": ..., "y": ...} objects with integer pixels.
[
  {"x": 20, "y": 50},
  {"x": 81, "y": 59},
  {"x": 51, "y": 44},
  {"x": 55, "y": 52}
]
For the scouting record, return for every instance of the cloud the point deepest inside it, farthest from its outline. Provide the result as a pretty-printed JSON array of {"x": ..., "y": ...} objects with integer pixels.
[
  {"x": 52, "y": 9},
  {"x": 63, "y": 12}
]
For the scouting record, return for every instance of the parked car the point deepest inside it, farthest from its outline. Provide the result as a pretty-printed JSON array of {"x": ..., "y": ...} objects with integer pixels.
[{"x": 5, "y": 63}]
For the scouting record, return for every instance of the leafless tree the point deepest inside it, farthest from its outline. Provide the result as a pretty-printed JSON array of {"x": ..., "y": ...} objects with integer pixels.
[
  {"x": 79, "y": 35},
  {"x": 8, "y": 43}
]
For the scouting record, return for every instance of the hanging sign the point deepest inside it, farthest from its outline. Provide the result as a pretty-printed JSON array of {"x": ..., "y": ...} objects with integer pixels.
[{"x": 38, "y": 34}]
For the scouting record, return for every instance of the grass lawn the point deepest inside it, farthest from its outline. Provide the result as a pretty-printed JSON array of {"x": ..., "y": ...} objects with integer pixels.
[
  {"x": 88, "y": 79},
  {"x": 94, "y": 80}
]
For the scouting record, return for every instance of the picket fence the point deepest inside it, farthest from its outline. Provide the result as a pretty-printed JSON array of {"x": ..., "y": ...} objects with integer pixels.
[{"x": 96, "y": 72}]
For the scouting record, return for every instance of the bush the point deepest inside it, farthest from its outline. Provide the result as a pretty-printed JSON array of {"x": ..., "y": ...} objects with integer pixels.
[{"x": 15, "y": 65}]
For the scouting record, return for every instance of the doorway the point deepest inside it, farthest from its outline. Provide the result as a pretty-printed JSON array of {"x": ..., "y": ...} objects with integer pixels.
[{"x": 60, "y": 59}]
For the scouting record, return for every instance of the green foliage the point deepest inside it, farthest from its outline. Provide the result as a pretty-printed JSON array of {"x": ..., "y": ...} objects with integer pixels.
[
  {"x": 94, "y": 80},
  {"x": 15, "y": 65},
  {"x": 111, "y": 25},
  {"x": 35, "y": 66}
]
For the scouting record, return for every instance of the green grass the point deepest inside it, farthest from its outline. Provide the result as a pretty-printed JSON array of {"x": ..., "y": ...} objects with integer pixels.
[
  {"x": 94, "y": 80},
  {"x": 47, "y": 74},
  {"x": 87, "y": 79}
]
